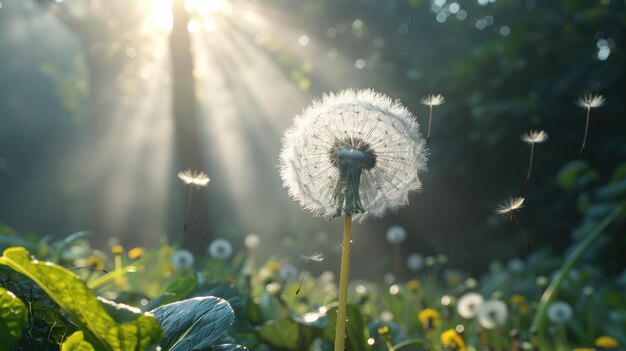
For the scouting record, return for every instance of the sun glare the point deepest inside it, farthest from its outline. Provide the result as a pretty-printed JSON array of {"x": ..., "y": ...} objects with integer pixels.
[{"x": 202, "y": 12}]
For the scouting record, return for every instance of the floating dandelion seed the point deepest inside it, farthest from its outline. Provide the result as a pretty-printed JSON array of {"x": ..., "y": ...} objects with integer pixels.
[
  {"x": 192, "y": 179},
  {"x": 352, "y": 153},
  {"x": 431, "y": 101},
  {"x": 533, "y": 137},
  {"x": 509, "y": 209},
  {"x": 588, "y": 102},
  {"x": 316, "y": 257}
]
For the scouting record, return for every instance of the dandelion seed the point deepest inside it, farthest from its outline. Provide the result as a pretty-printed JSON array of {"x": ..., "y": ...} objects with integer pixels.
[
  {"x": 533, "y": 137},
  {"x": 192, "y": 179},
  {"x": 316, "y": 257},
  {"x": 560, "y": 312},
  {"x": 220, "y": 249},
  {"x": 588, "y": 102},
  {"x": 431, "y": 101},
  {"x": 352, "y": 153},
  {"x": 509, "y": 209},
  {"x": 468, "y": 305},
  {"x": 492, "y": 313}
]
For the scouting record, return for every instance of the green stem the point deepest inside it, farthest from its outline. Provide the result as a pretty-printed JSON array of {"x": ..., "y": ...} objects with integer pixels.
[
  {"x": 340, "y": 329},
  {"x": 539, "y": 319}
]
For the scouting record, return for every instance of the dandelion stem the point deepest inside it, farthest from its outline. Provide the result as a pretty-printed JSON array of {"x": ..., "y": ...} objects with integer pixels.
[
  {"x": 187, "y": 210},
  {"x": 530, "y": 163},
  {"x": 519, "y": 225},
  {"x": 340, "y": 329},
  {"x": 582, "y": 147},
  {"x": 430, "y": 119}
]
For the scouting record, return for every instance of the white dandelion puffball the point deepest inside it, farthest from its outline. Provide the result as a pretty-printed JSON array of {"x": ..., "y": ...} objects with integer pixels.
[
  {"x": 396, "y": 234},
  {"x": 492, "y": 313},
  {"x": 252, "y": 241},
  {"x": 468, "y": 305},
  {"x": 182, "y": 259},
  {"x": 354, "y": 152},
  {"x": 415, "y": 261},
  {"x": 220, "y": 249},
  {"x": 560, "y": 312}
]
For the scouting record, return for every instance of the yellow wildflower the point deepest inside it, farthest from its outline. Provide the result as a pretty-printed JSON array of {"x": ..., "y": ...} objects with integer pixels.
[
  {"x": 383, "y": 330},
  {"x": 451, "y": 340},
  {"x": 518, "y": 299},
  {"x": 117, "y": 249},
  {"x": 413, "y": 285},
  {"x": 584, "y": 349},
  {"x": 135, "y": 253},
  {"x": 430, "y": 318},
  {"x": 273, "y": 266},
  {"x": 606, "y": 342}
]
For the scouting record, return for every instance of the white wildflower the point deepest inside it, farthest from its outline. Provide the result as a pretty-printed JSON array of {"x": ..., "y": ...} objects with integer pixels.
[
  {"x": 252, "y": 241},
  {"x": 354, "y": 152}
]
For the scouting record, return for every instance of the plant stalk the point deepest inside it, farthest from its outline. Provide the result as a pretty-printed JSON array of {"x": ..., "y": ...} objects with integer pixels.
[
  {"x": 340, "y": 328},
  {"x": 530, "y": 163},
  {"x": 430, "y": 120},
  {"x": 582, "y": 147}
]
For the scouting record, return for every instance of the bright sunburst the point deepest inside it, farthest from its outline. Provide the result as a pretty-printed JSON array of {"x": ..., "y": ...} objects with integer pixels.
[{"x": 203, "y": 12}]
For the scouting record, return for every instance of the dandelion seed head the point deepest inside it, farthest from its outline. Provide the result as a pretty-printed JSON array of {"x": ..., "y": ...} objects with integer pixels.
[
  {"x": 560, "y": 312},
  {"x": 468, "y": 305},
  {"x": 252, "y": 241},
  {"x": 492, "y": 313},
  {"x": 396, "y": 234},
  {"x": 182, "y": 259},
  {"x": 415, "y": 261},
  {"x": 196, "y": 179},
  {"x": 355, "y": 152},
  {"x": 220, "y": 249},
  {"x": 433, "y": 100},
  {"x": 535, "y": 137},
  {"x": 590, "y": 101},
  {"x": 510, "y": 206}
]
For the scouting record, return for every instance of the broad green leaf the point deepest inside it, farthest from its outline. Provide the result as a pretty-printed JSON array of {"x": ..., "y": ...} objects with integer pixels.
[
  {"x": 76, "y": 342},
  {"x": 74, "y": 297},
  {"x": 13, "y": 317},
  {"x": 193, "y": 324},
  {"x": 288, "y": 334},
  {"x": 355, "y": 328},
  {"x": 46, "y": 326}
]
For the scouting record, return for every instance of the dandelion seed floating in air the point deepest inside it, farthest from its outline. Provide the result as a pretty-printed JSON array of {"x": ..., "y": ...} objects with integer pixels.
[
  {"x": 193, "y": 180},
  {"x": 316, "y": 257},
  {"x": 588, "y": 102},
  {"x": 431, "y": 101},
  {"x": 533, "y": 137},
  {"x": 509, "y": 209},
  {"x": 352, "y": 153}
]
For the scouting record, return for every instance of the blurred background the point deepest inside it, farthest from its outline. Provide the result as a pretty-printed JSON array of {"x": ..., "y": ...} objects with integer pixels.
[{"x": 103, "y": 102}]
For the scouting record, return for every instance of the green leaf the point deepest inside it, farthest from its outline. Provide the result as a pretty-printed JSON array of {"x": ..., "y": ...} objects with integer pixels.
[
  {"x": 576, "y": 172},
  {"x": 13, "y": 317},
  {"x": 47, "y": 326},
  {"x": 76, "y": 342},
  {"x": 65, "y": 243},
  {"x": 288, "y": 334},
  {"x": 74, "y": 297},
  {"x": 355, "y": 328},
  {"x": 193, "y": 324}
]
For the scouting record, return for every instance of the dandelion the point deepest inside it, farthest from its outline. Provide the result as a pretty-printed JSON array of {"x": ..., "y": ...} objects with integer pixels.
[
  {"x": 316, "y": 257},
  {"x": 509, "y": 209},
  {"x": 431, "y": 101},
  {"x": 451, "y": 340},
  {"x": 192, "y": 179},
  {"x": 430, "y": 318},
  {"x": 415, "y": 261},
  {"x": 468, "y": 305},
  {"x": 588, "y": 102},
  {"x": 352, "y": 153},
  {"x": 492, "y": 313},
  {"x": 252, "y": 241},
  {"x": 220, "y": 249},
  {"x": 606, "y": 342},
  {"x": 533, "y": 137},
  {"x": 560, "y": 312},
  {"x": 182, "y": 259},
  {"x": 135, "y": 253}
]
